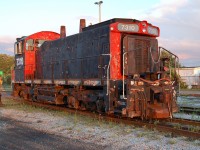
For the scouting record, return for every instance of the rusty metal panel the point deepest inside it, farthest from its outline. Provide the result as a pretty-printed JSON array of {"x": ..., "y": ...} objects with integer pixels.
[
  {"x": 76, "y": 56},
  {"x": 19, "y": 68},
  {"x": 138, "y": 53}
]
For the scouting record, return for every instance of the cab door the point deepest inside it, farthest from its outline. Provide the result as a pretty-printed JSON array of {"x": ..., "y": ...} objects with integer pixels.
[
  {"x": 19, "y": 62},
  {"x": 137, "y": 56}
]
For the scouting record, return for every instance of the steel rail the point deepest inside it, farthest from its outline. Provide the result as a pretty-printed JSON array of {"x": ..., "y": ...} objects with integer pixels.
[{"x": 185, "y": 121}]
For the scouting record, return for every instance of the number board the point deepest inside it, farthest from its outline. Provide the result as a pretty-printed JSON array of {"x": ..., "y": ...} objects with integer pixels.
[
  {"x": 152, "y": 30},
  {"x": 128, "y": 27},
  {"x": 19, "y": 61}
]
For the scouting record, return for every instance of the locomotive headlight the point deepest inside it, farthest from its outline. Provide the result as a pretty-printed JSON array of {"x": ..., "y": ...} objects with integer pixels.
[
  {"x": 133, "y": 82},
  {"x": 144, "y": 30},
  {"x": 167, "y": 82},
  {"x": 153, "y": 30},
  {"x": 140, "y": 83},
  {"x": 156, "y": 84}
]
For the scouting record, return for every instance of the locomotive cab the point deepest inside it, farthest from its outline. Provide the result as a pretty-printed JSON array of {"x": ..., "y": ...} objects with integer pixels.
[{"x": 25, "y": 51}]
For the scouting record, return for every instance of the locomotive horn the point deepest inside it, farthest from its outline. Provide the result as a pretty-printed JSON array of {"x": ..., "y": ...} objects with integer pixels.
[
  {"x": 62, "y": 32},
  {"x": 82, "y": 25}
]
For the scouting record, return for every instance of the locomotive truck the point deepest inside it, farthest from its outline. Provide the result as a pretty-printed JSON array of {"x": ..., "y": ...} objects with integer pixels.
[{"x": 113, "y": 67}]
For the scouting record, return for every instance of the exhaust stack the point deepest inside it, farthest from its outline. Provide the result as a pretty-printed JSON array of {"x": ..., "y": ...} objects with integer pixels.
[
  {"x": 82, "y": 25},
  {"x": 62, "y": 32}
]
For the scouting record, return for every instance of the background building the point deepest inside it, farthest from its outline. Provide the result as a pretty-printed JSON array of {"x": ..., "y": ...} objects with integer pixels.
[{"x": 191, "y": 76}]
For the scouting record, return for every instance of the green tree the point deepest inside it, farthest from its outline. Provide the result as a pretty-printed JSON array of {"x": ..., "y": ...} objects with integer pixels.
[
  {"x": 6, "y": 62},
  {"x": 173, "y": 66}
]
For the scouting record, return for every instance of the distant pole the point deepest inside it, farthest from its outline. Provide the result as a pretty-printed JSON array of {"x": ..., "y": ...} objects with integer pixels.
[{"x": 99, "y": 3}]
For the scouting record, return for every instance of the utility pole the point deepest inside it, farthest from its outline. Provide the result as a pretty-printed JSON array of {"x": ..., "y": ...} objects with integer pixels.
[{"x": 99, "y": 3}]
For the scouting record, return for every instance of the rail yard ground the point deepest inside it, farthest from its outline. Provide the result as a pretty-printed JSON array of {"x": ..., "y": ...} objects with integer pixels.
[
  {"x": 192, "y": 92},
  {"x": 16, "y": 135},
  {"x": 35, "y": 127}
]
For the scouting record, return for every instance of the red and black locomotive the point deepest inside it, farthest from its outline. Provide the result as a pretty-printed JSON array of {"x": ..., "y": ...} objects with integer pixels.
[{"x": 113, "y": 67}]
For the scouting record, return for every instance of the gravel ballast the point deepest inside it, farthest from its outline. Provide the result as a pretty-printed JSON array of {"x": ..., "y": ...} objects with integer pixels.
[{"x": 107, "y": 134}]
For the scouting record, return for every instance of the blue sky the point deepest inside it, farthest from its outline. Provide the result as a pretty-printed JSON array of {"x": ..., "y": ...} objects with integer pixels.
[{"x": 178, "y": 20}]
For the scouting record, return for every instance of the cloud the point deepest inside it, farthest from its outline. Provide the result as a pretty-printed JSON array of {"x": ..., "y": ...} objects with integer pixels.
[
  {"x": 187, "y": 50},
  {"x": 179, "y": 22},
  {"x": 6, "y": 39},
  {"x": 158, "y": 11},
  {"x": 7, "y": 45},
  {"x": 166, "y": 8}
]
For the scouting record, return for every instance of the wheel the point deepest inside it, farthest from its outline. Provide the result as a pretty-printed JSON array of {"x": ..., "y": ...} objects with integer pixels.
[
  {"x": 100, "y": 106},
  {"x": 65, "y": 101},
  {"x": 73, "y": 102}
]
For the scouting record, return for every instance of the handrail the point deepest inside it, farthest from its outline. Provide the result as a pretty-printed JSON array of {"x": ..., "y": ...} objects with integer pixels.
[
  {"x": 123, "y": 76},
  {"x": 155, "y": 62},
  {"x": 108, "y": 78},
  {"x": 108, "y": 68},
  {"x": 176, "y": 58}
]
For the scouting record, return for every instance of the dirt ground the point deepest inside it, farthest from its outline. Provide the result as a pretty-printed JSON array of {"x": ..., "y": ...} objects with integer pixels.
[{"x": 16, "y": 135}]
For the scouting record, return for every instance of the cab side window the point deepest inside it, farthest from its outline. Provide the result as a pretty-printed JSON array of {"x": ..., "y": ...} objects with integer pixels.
[
  {"x": 38, "y": 43},
  {"x": 18, "y": 48},
  {"x": 29, "y": 45}
]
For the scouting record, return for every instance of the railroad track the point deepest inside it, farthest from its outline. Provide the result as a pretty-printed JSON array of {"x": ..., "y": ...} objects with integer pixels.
[
  {"x": 185, "y": 121},
  {"x": 190, "y": 110},
  {"x": 177, "y": 127}
]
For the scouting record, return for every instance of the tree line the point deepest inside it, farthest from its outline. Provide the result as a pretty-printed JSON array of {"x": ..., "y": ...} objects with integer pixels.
[{"x": 6, "y": 62}]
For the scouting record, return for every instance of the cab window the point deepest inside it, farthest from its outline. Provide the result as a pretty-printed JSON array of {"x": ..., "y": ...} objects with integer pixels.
[
  {"x": 38, "y": 43},
  {"x": 18, "y": 47},
  {"x": 29, "y": 45}
]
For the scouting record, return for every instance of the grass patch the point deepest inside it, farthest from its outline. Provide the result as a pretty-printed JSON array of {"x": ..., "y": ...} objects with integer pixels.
[
  {"x": 177, "y": 126},
  {"x": 168, "y": 134},
  {"x": 10, "y": 103},
  {"x": 197, "y": 142},
  {"x": 142, "y": 134},
  {"x": 172, "y": 141},
  {"x": 194, "y": 128},
  {"x": 153, "y": 136}
]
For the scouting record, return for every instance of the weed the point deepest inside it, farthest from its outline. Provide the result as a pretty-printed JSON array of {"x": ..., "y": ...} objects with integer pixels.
[
  {"x": 197, "y": 142},
  {"x": 168, "y": 134},
  {"x": 127, "y": 130},
  {"x": 153, "y": 136},
  {"x": 156, "y": 122},
  {"x": 172, "y": 141},
  {"x": 142, "y": 134},
  {"x": 194, "y": 128},
  {"x": 111, "y": 124},
  {"x": 70, "y": 128},
  {"x": 177, "y": 126}
]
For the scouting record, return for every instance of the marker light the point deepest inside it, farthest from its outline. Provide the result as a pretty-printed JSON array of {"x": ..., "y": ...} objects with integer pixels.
[{"x": 144, "y": 30}]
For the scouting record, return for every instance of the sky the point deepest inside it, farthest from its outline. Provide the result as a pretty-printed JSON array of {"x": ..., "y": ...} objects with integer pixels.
[{"x": 178, "y": 20}]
